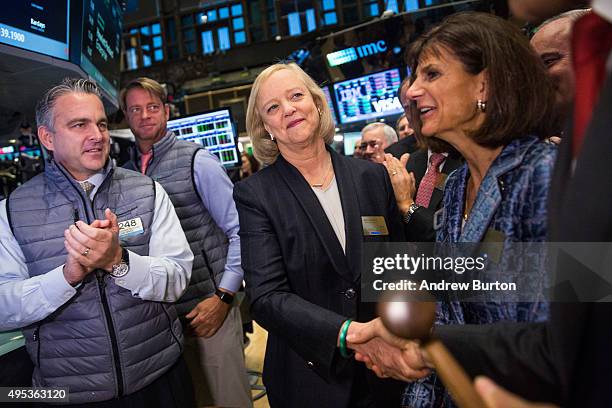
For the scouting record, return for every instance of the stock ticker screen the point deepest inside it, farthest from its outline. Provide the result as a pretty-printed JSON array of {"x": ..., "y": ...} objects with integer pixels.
[
  {"x": 37, "y": 25},
  {"x": 369, "y": 96},
  {"x": 330, "y": 103},
  {"x": 214, "y": 130},
  {"x": 101, "y": 44}
]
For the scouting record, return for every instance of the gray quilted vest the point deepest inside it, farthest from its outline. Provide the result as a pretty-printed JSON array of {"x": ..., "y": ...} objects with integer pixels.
[
  {"x": 172, "y": 167},
  {"x": 103, "y": 342}
]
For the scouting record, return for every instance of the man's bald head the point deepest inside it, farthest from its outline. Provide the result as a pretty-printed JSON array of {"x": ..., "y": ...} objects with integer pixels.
[{"x": 552, "y": 42}]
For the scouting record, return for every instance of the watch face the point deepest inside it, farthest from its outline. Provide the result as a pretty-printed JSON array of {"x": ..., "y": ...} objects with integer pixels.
[{"x": 120, "y": 270}]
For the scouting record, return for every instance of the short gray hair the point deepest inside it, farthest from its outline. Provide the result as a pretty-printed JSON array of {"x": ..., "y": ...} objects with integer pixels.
[
  {"x": 388, "y": 131},
  {"x": 44, "y": 107},
  {"x": 572, "y": 15}
]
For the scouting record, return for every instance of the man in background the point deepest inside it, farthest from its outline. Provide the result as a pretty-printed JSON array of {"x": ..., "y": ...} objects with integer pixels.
[
  {"x": 375, "y": 138},
  {"x": 552, "y": 42},
  {"x": 201, "y": 192}
]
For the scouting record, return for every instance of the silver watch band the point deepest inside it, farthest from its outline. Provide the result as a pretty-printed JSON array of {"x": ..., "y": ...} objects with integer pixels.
[{"x": 407, "y": 216}]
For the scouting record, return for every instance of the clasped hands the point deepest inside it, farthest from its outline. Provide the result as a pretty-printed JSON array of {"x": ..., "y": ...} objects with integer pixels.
[
  {"x": 387, "y": 355},
  {"x": 91, "y": 246}
]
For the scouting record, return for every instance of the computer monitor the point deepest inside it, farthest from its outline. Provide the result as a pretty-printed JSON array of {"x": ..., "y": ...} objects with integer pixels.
[
  {"x": 368, "y": 97},
  {"x": 8, "y": 154},
  {"x": 39, "y": 26},
  {"x": 214, "y": 130},
  {"x": 325, "y": 90},
  {"x": 101, "y": 43},
  {"x": 349, "y": 142},
  {"x": 33, "y": 152}
]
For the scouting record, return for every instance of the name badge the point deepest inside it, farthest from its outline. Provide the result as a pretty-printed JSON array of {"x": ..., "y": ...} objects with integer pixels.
[
  {"x": 131, "y": 227},
  {"x": 374, "y": 225}
]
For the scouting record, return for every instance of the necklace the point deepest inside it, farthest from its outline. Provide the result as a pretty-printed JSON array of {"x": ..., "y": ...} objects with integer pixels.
[
  {"x": 327, "y": 172},
  {"x": 465, "y": 202}
]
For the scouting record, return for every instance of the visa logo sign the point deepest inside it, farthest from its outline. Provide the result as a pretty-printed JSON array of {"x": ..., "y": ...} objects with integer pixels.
[
  {"x": 385, "y": 105},
  {"x": 354, "y": 53}
]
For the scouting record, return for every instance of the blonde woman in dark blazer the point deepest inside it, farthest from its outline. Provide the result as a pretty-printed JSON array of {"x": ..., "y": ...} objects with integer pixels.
[{"x": 301, "y": 231}]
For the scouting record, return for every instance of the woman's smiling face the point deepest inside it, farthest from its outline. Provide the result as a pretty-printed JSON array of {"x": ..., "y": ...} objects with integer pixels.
[
  {"x": 287, "y": 108},
  {"x": 446, "y": 94}
]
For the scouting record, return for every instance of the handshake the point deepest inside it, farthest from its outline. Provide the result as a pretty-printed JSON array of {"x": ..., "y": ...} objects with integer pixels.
[{"x": 388, "y": 355}]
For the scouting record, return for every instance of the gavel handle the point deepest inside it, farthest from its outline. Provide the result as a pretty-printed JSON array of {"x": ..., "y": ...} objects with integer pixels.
[{"x": 453, "y": 376}]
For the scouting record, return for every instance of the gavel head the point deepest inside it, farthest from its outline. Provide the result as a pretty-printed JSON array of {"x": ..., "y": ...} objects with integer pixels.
[{"x": 409, "y": 316}]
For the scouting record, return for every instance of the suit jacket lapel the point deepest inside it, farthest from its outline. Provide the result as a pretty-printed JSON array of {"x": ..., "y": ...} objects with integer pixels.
[
  {"x": 316, "y": 215},
  {"x": 570, "y": 218},
  {"x": 418, "y": 165},
  {"x": 352, "y": 215},
  {"x": 562, "y": 174},
  {"x": 451, "y": 164}
]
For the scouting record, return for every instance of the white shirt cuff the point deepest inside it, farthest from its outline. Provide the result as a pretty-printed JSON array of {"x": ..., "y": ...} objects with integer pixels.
[{"x": 55, "y": 288}]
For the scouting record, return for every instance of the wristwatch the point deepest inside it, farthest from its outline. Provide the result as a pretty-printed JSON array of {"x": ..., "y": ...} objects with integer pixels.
[
  {"x": 408, "y": 214},
  {"x": 123, "y": 267},
  {"x": 224, "y": 296}
]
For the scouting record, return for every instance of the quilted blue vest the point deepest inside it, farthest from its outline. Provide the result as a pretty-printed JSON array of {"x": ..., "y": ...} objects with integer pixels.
[{"x": 103, "y": 342}]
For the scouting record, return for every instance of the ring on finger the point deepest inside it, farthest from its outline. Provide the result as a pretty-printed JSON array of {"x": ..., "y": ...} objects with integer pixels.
[
  {"x": 393, "y": 172},
  {"x": 86, "y": 251}
]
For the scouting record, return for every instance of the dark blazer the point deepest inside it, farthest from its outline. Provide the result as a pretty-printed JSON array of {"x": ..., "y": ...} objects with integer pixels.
[
  {"x": 566, "y": 360},
  {"x": 420, "y": 228},
  {"x": 405, "y": 145},
  {"x": 301, "y": 285}
]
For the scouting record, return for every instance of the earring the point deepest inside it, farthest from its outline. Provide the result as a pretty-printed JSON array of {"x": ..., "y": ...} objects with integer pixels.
[
  {"x": 271, "y": 137},
  {"x": 481, "y": 105},
  {"x": 319, "y": 109}
]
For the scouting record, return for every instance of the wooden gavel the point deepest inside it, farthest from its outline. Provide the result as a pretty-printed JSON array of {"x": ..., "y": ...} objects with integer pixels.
[{"x": 413, "y": 320}]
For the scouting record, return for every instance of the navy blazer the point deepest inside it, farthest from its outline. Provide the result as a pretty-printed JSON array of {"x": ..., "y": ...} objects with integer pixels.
[{"x": 301, "y": 285}]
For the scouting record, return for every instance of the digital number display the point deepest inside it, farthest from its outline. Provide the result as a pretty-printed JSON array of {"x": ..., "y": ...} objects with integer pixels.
[
  {"x": 330, "y": 103},
  {"x": 213, "y": 130},
  {"x": 101, "y": 47},
  {"x": 37, "y": 25},
  {"x": 368, "y": 97}
]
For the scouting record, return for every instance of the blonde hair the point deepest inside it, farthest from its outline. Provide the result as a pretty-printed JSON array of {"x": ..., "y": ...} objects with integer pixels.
[
  {"x": 265, "y": 149},
  {"x": 148, "y": 84}
]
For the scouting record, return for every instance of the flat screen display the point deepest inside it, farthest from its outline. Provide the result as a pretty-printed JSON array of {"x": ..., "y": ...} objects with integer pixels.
[
  {"x": 330, "y": 103},
  {"x": 37, "y": 25},
  {"x": 101, "y": 43},
  {"x": 369, "y": 96},
  {"x": 349, "y": 142},
  {"x": 33, "y": 152},
  {"x": 214, "y": 130},
  {"x": 8, "y": 153}
]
